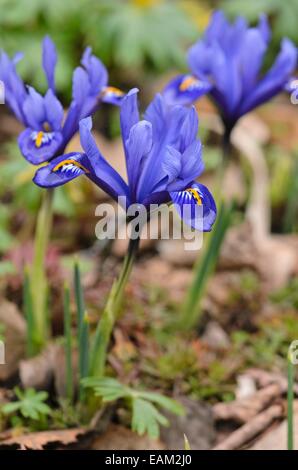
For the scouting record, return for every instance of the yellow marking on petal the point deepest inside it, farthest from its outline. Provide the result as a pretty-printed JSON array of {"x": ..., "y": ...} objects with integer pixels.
[
  {"x": 187, "y": 83},
  {"x": 196, "y": 195},
  {"x": 113, "y": 90},
  {"x": 38, "y": 140},
  {"x": 70, "y": 161}
]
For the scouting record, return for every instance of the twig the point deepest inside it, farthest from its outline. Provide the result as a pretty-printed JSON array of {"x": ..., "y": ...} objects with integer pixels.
[
  {"x": 250, "y": 430},
  {"x": 244, "y": 410}
]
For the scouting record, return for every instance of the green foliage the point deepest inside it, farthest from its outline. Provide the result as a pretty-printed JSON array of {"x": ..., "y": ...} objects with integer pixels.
[
  {"x": 6, "y": 240},
  {"x": 130, "y": 35},
  {"x": 145, "y": 416},
  {"x": 30, "y": 404},
  {"x": 125, "y": 34},
  {"x": 6, "y": 268},
  {"x": 290, "y": 400},
  {"x": 287, "y": 297}
]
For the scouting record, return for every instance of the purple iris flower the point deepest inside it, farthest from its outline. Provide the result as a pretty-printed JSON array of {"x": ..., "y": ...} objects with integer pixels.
[
  {"x": 163, "y": 160},
  {"x": 47, "y": 132},
  {"x": 230, "y": 58}
]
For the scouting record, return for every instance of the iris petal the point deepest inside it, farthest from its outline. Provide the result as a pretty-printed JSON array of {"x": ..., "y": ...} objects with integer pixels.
[
  {"x": 54, "y": 110},
  {"x": 61, "y": 170},
  {"x": 275, "y": 80},
  {"x": 185, "y": 89},
  {"x": 196, "y": 207},
  {"x": 49, "y": 61},
  {"x": 106, "y": 177},
  {"x": 38, "y": 146},
  {"x": 112, "y": 95},
  {"x": 34, "y": 109}
]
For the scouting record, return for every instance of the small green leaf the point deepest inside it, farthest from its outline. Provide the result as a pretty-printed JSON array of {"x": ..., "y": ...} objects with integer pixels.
[
  {"x": 146, "y": 418},
  {"x": 30, "y": 404},
  {"x": 165, "y": 402},
  {"x": 107, "y": 388}
]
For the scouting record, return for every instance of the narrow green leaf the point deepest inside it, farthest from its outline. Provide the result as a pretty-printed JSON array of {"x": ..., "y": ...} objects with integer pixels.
[
  {"x": 191, "y": 311},
  {"x": 290, "y": 399},
  {"x": 83, "y": 325},
  {"x": 68, "y": 345}
]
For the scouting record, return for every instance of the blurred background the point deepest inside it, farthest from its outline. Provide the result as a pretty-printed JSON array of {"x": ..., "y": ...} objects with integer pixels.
[{"x": 249, "y": 311}]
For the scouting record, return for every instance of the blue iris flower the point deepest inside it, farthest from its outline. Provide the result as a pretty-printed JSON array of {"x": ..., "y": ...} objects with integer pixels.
[
  {"x": 47, "y": 132},
  {"x": 230, "y": 57},
  {"x": 163, "y": 159}
]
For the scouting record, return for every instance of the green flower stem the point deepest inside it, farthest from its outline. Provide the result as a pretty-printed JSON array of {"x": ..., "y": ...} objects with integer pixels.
[
  {"x": 38, "y": 279},
  {"x": 221, "y": 170},
  {"x": 110, "y": 314}
]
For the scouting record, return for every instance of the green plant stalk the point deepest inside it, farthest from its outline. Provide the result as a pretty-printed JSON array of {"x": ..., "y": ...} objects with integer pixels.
[
  {"x": 110, "y": 314},
  {"x": 83, "y": 327},
  {"x": 290, "y": 400},
  {"x": 38, "y": 280},
  {"x": 28, "y": 310},
  {"x": 68, "y": 345}
]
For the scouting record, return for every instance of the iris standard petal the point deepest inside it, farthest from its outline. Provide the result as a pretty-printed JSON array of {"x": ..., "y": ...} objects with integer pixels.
[
  {"x": 264, "y": 28},
  {"x": 80, "y": 86},
  {"x": 217, "y": 27},
  {"x": 192, "y": 166},
  {"x": 138, "y": 146},
  {"x": 169, "y": 127},
  {"x": 275, "y": 80},
  {"x": 49, "y": 61},
  {"x": 34, "y": 109},
  {"x": 192, "y": 162},
  {"x": 185, "y": 89},
  {"x": 39, "y": 146},
  {"x": 251, "y": 58},
  {"x": 189, "y": 129},
  {"x": 54, "y": 111},
  {"x": 156, "y": 114},
  {"x": 196, "y": 207},
  {"x": 97, "y": 73},
  {"x": 129, "y": 113},
  {"x": 172, "y": 164}
]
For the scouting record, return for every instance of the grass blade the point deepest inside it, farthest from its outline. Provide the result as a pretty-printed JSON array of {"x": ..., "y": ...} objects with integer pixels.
[
  {"x": 290, "y": 399},
  {"x": 83, "y": 325},
  {"x": 68, "y": 344},
  {"x": 186, "y": 443}
]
